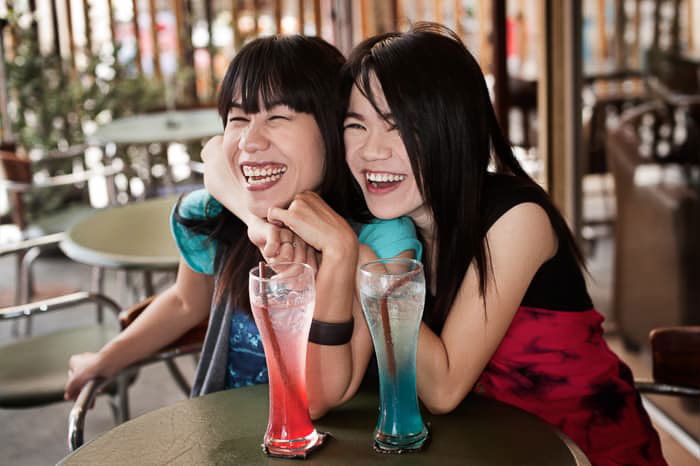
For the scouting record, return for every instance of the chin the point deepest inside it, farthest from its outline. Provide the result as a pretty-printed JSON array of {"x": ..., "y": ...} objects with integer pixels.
[{"x": 385, "y": 212}]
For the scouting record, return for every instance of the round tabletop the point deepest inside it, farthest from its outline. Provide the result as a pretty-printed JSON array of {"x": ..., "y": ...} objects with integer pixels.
[
  {"x": 134, "y": 236},
  {"x": 227, "y": 428},
  {"x": 169, "y": 126}
]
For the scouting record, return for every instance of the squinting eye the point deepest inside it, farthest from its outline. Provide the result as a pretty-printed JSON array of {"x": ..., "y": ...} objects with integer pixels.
[
  {"x": 278, "y": 117},
  {"x": 237, "y": 119},
  {"x": 353, "y": 126}
]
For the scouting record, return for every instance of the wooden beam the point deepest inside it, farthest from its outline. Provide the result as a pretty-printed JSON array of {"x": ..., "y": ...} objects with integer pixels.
[
  {"x": 459, "y": 11},
  {"x": 602, "y": 33},
  {"x": 154, "y": 38},
  {"x": 69, "y": 22},
  {"x": 88, "y": 28},
  {"x": 237, "y": 39},
  {"x": 559, "y": 105},
  {"x": 112, "y": 27},
  {"x": 317, "y": 17},
  {"x": 278, "y": 15},
  {"x": 137, "y": 34},
  {"x": 177, "y": 8},
  {"x": 500, "y": 70},
  {"x": 300, "y": 8}
]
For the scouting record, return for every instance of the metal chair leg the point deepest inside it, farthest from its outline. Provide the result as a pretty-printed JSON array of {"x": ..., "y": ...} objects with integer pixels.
[
  {"x": 97, "y": 286},
  {"x": 27, "y": 281},
  {"x": 180, "y": 379},
  {"x": 123, "y": 396}
]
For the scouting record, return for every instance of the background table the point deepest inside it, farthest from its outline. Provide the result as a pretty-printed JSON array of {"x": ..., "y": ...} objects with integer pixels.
[
  {"x": 132, "y": 237},
  {"x": 227, "y": 428},
  {"x": 169, "y": 126}
]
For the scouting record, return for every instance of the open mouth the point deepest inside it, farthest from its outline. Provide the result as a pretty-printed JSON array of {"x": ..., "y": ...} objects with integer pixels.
[
  {"x": 262, "y": 175},
  {"x": 380, "y": 182}
]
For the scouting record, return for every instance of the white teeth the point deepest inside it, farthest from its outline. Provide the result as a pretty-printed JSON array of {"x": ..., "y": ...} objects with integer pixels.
[
  {"x": 270, "y": 173},
  {"x": 384, "y": 177}
]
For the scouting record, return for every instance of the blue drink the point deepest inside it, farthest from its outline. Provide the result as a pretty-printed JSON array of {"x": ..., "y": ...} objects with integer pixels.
[{"x": 393, "y": 293}]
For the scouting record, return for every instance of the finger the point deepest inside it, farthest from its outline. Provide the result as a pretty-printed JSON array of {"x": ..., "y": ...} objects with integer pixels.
[
  {"x": 311, "y": 258},
  {"x": 299, "y": 249},
  {"x": 272, "y": 243},
  {"x": 286, "y": 247}
]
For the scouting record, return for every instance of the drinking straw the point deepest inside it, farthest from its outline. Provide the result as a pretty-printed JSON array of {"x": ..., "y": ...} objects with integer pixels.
[
  {"x": 267, "y": 323},
  {"x": 384, "y": 311}
]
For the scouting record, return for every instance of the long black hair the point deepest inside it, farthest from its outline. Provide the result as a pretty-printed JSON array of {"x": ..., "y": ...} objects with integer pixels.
[
  {"x": 304, "y": 74},
  {"x": 440, "y": 103}
]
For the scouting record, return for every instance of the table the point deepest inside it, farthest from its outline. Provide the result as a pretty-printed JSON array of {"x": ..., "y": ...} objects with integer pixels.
[
  {"x": 134, "y": 236},
  {"x": 227, "y": 428},
  {"x": 165, "y": 127}
]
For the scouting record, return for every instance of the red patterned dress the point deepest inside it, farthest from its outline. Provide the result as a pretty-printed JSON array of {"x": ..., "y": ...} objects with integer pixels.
[{"x": 554, "y": 363}]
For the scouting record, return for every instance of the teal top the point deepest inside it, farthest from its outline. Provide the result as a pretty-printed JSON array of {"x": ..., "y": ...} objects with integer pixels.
[
  {"x": 246, "y": 358},
  {"x": 387, "y": 238}
]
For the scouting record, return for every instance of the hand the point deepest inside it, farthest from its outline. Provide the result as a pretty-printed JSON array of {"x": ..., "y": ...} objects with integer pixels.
[
  {"x": 279, "y": 244},
  {"x": 310, "y": 218},
  {"x": 82, "y": 368}
]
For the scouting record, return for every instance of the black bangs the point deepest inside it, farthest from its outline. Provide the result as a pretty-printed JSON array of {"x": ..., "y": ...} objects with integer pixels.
[{"x": 277, "y": 70}]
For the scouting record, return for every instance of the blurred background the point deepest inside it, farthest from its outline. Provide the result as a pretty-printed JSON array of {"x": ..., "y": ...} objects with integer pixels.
[{"x": 600, "y": 99}]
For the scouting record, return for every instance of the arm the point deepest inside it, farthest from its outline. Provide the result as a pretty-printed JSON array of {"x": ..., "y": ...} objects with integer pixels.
[
  {"x": 449, "y": 364},
  {"x": 175, "y": 311},
  {"x": 333, "y": 372}
]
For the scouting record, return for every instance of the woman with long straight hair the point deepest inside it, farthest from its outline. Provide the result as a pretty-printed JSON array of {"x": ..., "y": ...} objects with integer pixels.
[{"x": 508, "y": 314}]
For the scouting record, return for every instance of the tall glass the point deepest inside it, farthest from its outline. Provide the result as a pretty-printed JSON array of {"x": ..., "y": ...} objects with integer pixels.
[
  {"x": 393, "y": 295},
  {"x": 282, "y": 298}
]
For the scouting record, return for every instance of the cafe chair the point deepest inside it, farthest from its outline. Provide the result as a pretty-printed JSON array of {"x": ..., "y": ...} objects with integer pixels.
[
  {"x": 34, "y": 370},
  {"x": 676, "y": 362},
  {"x": 63, "y": 172},
  {"x": 188, "y": 344}
]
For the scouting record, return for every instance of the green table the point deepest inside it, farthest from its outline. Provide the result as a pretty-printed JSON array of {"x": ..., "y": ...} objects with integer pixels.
[
  {"x": 227, "y": 428},
  {"x": 134, "y": 236}
]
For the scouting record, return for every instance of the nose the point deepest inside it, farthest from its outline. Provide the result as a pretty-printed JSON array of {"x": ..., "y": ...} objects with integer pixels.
[
  {"x": 376, "y": 147},
  {"x": 252, "y": 139}
]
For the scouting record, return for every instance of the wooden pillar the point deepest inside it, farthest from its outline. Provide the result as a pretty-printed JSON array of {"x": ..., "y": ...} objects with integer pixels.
[
  {"x": 302, "y": 14},
  {"x": 112, "y": 27},
  {"x": 690, "y": 25},
  {"x": 188, "y": 49},
  {"x": 621, "y": 57},
  {"x": 88, "y": 28},
  {"x": 237, "y": 39},
  {"x": 602, "y": 34},
  {"x": 154, "y": 38},
  {"x": 278, "y": 15},
  {"x": 500, "y": 70},
  {"x": 317, "y": 17},
  {"x": 342, "y": 25},
  {"x": 559, "y": 105},
  {"x": 459, "y": 11},
  {"x": 209, "y": 16},
  {"x": 137, "y": 34},
  {"x": 69, "y": 23}
]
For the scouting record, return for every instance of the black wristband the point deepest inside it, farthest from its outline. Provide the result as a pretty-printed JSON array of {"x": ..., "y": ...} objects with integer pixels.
[{"x": 330, "y": 333}]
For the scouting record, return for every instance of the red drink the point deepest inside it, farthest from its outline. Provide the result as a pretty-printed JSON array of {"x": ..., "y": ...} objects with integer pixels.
[{"x": 283, "y": 312}]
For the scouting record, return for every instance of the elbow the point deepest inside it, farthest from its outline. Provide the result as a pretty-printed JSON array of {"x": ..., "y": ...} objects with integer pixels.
[
  {"x": 318, "y": 410},
  {"x": 442, "y": 401},
  {"x": 441, "y": 406}
]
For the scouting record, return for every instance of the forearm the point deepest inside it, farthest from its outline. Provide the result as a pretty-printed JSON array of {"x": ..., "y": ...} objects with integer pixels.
[
  {"x": 162, "y": 322},
  {"x": 330, "y": 368}
]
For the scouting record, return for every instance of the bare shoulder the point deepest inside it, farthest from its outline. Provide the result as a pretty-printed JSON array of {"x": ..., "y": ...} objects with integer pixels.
[{"x": 526, "y": 225}]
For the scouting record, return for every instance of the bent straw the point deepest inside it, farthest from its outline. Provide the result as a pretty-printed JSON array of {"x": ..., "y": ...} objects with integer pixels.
[
  {"x": 265, "y": 315},
  {"x": 384, "y": 311}
]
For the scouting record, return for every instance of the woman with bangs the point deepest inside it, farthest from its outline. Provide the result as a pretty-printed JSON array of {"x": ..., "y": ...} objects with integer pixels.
[
  {"x": 281, "y": 152},
  {"x": 508, "y": 314}
]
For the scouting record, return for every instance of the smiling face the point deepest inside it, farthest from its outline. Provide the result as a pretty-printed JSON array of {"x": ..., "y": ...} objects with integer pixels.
[
  {"x": 377, "y": 157},
  {"x": 271, "y": 155}
]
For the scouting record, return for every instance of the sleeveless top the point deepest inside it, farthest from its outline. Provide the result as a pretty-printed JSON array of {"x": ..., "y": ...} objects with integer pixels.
[
  {"x": 233, "y": 354},
  {"x": 554, "y": 362}
]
